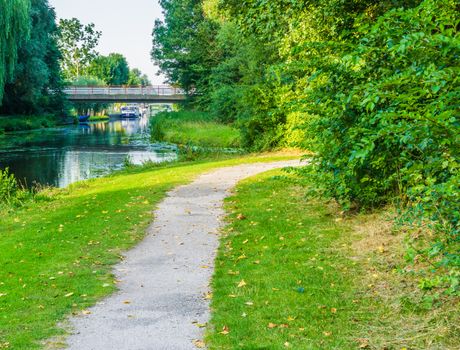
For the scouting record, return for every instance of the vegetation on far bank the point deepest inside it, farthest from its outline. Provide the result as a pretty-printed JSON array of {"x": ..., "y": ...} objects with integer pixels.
[
  {"x": 20, "y": 122},
  {"x": 293, "y": 273},
  {"x": 59, "y": 248},
  {"x": 193, "y": 128},
  {"x": 99, "y": 118}
]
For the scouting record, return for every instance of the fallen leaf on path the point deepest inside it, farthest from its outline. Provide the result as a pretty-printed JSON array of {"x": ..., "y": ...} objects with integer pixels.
[
  {"x": 86, "y": 312},
  {"x": 127, "y": 302},
  {"x": 225, "y": 330},
  {"x": 199, "y": 343}
]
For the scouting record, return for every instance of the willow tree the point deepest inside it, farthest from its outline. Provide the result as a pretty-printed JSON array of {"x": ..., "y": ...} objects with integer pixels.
[{"x": 14, "y": 28}]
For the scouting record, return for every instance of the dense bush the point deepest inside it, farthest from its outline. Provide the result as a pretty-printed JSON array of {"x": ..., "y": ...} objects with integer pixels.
[
  {"x": 384, "y": 120},
  {"x": 370, "y": 88}
]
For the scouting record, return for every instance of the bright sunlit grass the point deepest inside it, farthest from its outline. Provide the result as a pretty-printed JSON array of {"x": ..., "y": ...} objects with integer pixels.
[
  {"x": 194, "y": 129},
  {"x": 292, "y": 273},
  {"x": 56, "y": 256}
]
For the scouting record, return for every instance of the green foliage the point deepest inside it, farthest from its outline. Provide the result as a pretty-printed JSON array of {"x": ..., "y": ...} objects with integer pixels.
[
  {"x": 384, "y": 121},
  {"x": 20, "y": 122},
  {"x": 14, "y": 29},
  {"x": 183, "y": 45},
  {"x": 193, "y": 129},
  {"x": 9, "y": 187},
  {"x": 370, "y": 88},
  {"x": 37, "y": 84},
  {"x": 136, "y": 78},
  {"x": 112, "y": 69},
  {"x": 77, "y": 43}
]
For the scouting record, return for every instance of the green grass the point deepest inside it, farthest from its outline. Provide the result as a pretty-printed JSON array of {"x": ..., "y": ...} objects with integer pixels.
[
  {"x": 56, "y": 254},
  {"x": 313, "y": 280},
  {"x": 96, "y": 118},
  {"x": 20, "y": 123},
  {"x": 194, "y": 128}
]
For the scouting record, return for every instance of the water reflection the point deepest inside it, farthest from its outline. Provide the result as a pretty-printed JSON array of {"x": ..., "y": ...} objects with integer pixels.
[{"x": 61, "y": 156}]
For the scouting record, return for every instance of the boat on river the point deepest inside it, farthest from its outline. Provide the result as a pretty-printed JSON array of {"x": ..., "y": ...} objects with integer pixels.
[
  {"x": 130, "y": 112},
  {"x": 83, "y": 118}
]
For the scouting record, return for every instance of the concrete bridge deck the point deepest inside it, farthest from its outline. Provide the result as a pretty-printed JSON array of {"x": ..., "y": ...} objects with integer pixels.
[{"x": 130, "y": 94}]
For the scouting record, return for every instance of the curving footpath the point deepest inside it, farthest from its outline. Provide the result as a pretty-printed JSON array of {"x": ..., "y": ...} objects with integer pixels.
[{"x": 161, "y": 302}]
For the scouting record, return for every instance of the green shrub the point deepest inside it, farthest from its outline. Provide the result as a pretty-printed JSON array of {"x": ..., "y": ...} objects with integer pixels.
[
  {"x": 9, "y": 187},
  {"x": 383, "y": 119}
]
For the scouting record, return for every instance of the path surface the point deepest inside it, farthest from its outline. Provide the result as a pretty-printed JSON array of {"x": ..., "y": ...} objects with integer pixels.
[{"x": 165, "y": 278}]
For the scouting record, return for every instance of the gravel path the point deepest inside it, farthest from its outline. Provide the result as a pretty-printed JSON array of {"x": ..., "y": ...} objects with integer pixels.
[{"x": 165, "y": 278}]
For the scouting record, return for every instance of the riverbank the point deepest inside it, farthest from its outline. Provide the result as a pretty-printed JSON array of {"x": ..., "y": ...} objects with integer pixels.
[
  {"x": 58, "y": 251},
  {"x": 99, "y": 118},
  {"x": 193, "y": 129},
  {"x": 293, "y": 273},
  {"x": 22, "y": 123}
]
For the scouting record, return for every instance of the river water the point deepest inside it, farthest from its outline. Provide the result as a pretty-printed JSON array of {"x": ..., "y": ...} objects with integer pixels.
[{"x": 61, "y": 156}]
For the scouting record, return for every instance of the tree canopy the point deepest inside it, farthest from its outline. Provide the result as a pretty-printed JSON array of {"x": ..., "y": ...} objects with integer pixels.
[
  {"x": 183, "y": 45},
  {"x": 36, "y": 85},
  {"x": 137, "y": 78},
  {"x": 112, "y": 69},
  {"x": 370, "y": 88},
  {"x": 14, "y": 29},
  {"x": 77, "y": 43}
]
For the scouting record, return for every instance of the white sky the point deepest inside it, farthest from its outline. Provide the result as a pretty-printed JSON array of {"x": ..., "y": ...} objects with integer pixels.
[{"x": 126, "y": 27}]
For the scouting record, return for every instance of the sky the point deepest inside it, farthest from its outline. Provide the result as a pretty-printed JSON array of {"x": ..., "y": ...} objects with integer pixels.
[{"x": 126, "y": 27}]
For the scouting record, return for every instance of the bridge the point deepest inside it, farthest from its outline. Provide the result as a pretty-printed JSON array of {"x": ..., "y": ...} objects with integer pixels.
[{"x": 130, "y": 94}]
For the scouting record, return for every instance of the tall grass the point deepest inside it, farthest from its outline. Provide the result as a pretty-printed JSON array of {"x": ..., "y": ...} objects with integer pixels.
[{"x": 193, "y": 129}]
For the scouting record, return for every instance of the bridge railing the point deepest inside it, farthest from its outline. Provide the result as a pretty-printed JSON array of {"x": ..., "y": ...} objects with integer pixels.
[{"x": 159, "y": 90}]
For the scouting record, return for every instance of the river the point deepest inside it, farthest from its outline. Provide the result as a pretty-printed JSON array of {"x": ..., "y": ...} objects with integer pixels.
[{"x": 61, "y": 156}]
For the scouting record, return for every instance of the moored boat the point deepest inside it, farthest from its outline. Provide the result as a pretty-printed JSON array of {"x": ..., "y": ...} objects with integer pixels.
[{"x": 83, "y": 118}]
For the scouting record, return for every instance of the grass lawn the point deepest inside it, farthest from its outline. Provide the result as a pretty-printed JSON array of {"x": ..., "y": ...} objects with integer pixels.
[
  {"x": 292, "y": 273},
  {"x": 195, "y": 129},
  {"x": 56, "y": 254}
]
